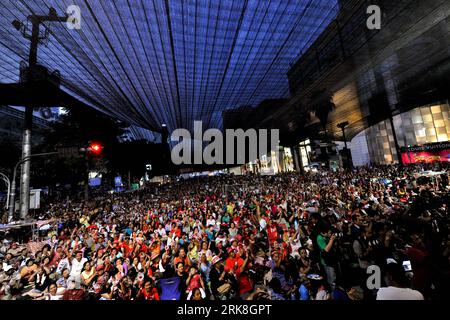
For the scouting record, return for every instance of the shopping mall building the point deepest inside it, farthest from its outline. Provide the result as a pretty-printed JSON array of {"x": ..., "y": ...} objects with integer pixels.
[{"x": 388, "y": 87}]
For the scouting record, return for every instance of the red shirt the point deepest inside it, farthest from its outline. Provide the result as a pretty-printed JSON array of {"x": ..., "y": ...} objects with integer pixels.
[
  {"x": 244, "y": 285},
  {"x": 152, "y": 295},
  {"x": 272, "y": 233},
  {"x": 235, "y": 264},
  {"x": 194, "y": 283}
]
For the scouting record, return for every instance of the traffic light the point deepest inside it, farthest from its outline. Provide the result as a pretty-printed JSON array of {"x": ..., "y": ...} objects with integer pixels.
[{"x": 95, "y": 148}]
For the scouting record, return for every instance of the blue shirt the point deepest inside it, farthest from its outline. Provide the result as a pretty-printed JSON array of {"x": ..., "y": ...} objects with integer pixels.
[{"x": 304, "y": 292}]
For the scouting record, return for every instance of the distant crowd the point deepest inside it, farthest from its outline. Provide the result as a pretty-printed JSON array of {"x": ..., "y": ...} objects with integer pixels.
[{"x": 291, "y": 236}]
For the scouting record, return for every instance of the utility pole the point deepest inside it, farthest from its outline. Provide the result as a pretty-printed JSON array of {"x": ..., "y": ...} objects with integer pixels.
[{"x": 35, "y": 38}]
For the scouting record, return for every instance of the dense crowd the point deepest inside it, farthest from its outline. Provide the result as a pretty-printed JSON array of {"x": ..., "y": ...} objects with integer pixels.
[{"x": 284, "y": 237}]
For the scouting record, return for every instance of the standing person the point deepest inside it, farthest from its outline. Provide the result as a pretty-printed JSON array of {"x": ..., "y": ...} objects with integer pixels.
[{"x": 325, "y": 242}]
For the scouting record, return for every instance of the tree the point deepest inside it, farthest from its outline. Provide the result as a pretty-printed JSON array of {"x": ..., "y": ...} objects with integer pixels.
[
  {"x": 76, "y": 129},
  {"x": 10, "y": 153}
]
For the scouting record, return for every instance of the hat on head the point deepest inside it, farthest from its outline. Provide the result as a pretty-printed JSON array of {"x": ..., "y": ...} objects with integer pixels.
[
  {"x": 100, "y": 267},
  {"x": 215, "y": 259}
]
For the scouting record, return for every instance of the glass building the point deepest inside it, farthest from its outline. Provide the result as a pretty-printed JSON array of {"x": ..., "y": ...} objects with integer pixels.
[{"x": 423, "y": 125}]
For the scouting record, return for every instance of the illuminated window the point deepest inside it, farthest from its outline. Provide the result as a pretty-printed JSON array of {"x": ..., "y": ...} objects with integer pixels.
[
  {"x": 439, "y": 124},
  {"x": 431, "y": 132},
  {"x": 436, "y": 109},
  {"x": 416, "y": 119},
  {"x": 442, "y": 137},
  {"x": 421, "y": 132},
  {"x": 438, "y": 116},
  {"x": 427, "y": 118},
  {"x": 421, "y": 140}
]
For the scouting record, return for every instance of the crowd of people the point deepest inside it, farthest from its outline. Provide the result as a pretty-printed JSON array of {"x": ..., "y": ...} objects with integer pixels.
[{"x": 312, "y": 236}]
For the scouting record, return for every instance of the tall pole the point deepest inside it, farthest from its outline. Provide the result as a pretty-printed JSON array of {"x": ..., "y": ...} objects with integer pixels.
[
  {"x": 26, "y": 140},
  {"x": 36, "y": 21}
]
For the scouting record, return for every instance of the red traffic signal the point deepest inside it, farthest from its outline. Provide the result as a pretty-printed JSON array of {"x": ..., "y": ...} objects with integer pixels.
[{"x": 95, "y": 148}]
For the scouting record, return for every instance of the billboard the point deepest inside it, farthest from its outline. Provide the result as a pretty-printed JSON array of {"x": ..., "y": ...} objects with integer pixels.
[{"x": 436, "y": 152}]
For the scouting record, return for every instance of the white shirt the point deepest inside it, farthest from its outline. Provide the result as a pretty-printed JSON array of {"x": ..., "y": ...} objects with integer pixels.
[
  {"x": 77, "y": 266},
  {"x": 161, "y": 232},
  {"x": 394, "y": 293}
]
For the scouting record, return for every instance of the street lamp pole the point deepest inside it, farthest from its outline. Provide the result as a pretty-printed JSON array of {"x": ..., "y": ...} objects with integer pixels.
[{"x": 12, "y": 193}]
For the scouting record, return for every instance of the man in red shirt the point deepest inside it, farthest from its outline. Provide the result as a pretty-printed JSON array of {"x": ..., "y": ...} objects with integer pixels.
[
  {"x": 148, "y": 292},
  {"x": 234, "y": 262}
]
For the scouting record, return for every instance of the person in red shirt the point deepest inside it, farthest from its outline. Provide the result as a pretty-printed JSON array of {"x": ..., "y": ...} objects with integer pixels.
[
  {"x": 245, "y": 283},
  {"x": 194, "y": 280},
  {"x": 272, "y": 232},
  {"x": 234, "y": 262},
  {"x": 148, "y": 292}
]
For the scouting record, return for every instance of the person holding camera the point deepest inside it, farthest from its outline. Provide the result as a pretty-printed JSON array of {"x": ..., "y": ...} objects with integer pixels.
[{"x": 326, "y": 243}]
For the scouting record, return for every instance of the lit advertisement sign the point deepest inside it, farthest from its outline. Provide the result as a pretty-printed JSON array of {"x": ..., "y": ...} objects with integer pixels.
[
  {"x": 436, "y": 152},
  {"x": 118, "y": 181}
]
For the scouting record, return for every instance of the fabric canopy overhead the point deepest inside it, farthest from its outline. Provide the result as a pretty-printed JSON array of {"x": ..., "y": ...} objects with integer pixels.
[{"x": 169, "y": 61}]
